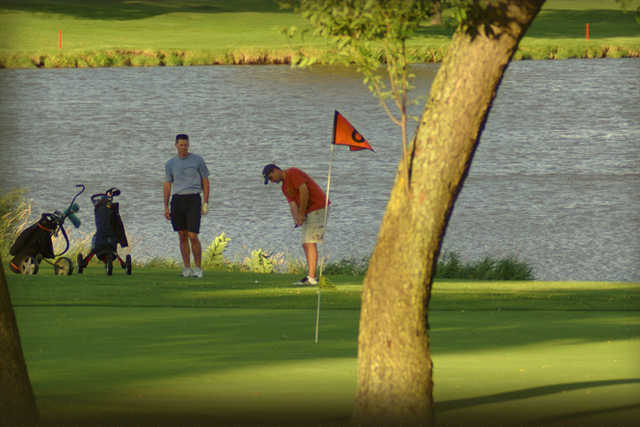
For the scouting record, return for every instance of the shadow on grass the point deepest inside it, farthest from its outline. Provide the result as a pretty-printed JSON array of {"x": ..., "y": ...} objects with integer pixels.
[
  {"x": 128, "y": 10},
  {"x": 562, "y": 23},
  {"x": 552, "y": 24},
  {"x": 464, "y": 333},
  {"x": 567, "y": 419},
  {"x": 534, "y": 392}
]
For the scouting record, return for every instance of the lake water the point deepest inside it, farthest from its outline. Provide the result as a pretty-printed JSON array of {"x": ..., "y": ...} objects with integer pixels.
[{"x": 555, "y": 180}]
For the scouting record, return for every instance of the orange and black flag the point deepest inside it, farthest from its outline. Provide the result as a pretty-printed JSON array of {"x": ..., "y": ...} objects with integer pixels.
[{"x": 345, "y": 134}]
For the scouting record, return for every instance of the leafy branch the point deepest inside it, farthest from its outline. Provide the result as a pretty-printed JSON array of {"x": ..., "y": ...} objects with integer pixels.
[{"x": 368, "y": 34}]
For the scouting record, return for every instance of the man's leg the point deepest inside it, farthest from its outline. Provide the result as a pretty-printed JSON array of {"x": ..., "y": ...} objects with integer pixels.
[
  {"x": 311, "y": 252},
  {"x": 184, "y": 248},
  {"x": 196, "y": 248}
]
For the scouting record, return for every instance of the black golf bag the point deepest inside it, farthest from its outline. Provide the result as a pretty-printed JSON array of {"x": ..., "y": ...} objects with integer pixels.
[
  {"x": 109, "y": 233},
  {"x": 34, "y": 243}
]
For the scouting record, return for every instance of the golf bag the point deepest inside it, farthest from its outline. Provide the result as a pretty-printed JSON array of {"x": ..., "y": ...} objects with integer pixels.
[
  {"x": 34, "y": 243},
  {"x": 109, "y": 233}
]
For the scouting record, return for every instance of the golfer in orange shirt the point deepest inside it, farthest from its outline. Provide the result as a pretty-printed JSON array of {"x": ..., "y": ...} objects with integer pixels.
[{"x": 307, "y": 203}]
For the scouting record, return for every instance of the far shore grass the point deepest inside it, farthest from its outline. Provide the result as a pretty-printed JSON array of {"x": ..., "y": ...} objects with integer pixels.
[
  {"x": 111, "y": 33},
  {"x": 238, "y": 348}
]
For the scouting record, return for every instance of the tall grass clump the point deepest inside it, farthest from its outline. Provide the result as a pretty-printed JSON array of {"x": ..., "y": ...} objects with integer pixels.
[
  {"x": 172, "y": 59},
  {"x": 15, "y": 211},
  {"x": 295, "y": 265},
  {"x": 159, "y": 262},
  {"x": 118, "y": 58},
  {"x": 145, "y": 59},
  {"x": 80, "y": 245},
  {"x": 198, "y": 58},
  {"x": 450, "y": 266},
  {"x": 98, "y": 60},
  {"x": 16, "y": 61},
  {"x": 60, "y": 61}
]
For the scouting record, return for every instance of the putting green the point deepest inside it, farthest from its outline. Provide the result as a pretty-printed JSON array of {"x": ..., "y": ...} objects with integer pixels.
[{"x": 240, "y": 347}]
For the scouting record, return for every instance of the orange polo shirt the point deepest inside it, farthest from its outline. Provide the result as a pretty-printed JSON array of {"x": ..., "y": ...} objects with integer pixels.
[{"x": 293, "y": 179}]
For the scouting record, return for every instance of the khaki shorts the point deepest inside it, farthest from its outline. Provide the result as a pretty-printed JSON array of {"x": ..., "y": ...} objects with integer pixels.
[{"x": 313, "y": 227}]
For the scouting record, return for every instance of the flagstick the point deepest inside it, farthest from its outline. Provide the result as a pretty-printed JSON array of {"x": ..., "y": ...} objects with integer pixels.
[
  {"x": 326, "y": 201},
  {"x": 317, "y": 314},
  {"x": 324, "y": 225}
]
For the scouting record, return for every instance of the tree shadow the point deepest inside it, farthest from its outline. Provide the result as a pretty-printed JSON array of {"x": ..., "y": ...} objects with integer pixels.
[
  {"x": 528, "y": 393},
  {"x": 564, "y": 23},
  {"x": 572, "y": 24},
  {"x": 568, "y": 418},
  {"x": 137, "y": 9}
]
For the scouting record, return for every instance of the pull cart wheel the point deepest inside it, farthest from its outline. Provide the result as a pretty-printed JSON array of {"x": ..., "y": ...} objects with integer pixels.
[
  {"x": 28, "y": 265},
  {"x": 80, "y": 264},
  {"x": 63, "y": 267},
  {"x": 127, "y": 264},
  {"x": 109, "y": 265}
]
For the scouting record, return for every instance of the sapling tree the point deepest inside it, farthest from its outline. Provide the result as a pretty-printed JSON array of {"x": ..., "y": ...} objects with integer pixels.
[
  {"x": 395, "y": 384},
  {"x": 366, "y": 34}
]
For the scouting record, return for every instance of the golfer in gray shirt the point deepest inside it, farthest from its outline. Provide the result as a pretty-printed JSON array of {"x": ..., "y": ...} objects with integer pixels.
[{"x": 188, "y": 176}]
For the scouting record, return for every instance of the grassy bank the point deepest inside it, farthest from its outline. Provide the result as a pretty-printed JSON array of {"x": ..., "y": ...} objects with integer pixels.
[
  {"x": 238, "y": 347},
  {"x": 101, "y": 33}
]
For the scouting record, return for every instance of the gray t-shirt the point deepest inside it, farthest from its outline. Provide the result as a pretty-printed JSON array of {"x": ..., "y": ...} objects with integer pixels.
[{"x": 186, "y": 174}]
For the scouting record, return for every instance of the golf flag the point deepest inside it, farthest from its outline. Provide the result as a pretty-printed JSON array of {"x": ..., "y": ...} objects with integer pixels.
[{"x": 345, "y": 134}]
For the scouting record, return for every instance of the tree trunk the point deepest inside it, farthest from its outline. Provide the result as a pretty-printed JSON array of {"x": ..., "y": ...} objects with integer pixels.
[
  {"x": 17, "y": 403},
  {"x": 437, "y": 13},
  {"x": 395, "y": 382}
]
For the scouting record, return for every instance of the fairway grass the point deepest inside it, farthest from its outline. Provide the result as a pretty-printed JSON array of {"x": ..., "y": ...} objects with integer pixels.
[
  {"x": 107, "y": 33},
  {"x": 153, "y": 348}
]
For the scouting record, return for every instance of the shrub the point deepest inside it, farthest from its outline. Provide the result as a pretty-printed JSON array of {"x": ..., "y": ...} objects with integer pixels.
[
  {"x": 213, "y": 257},
  {"x": 449, "y": 266},
  {"x": 510, "y": 268},
  {"x": 259, "y": 262},
  {"x": 350, "y": 266}
]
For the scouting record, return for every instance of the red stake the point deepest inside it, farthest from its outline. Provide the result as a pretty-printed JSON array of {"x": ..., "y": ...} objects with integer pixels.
[
  {"x": 587, "y": 31},
  {"x": 60, "y": 39}
]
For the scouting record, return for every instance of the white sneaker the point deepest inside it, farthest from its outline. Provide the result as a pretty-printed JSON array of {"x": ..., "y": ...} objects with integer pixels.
[
  {"x": 187, "y": 272},
  {"x": 197, "y": 272},
  {"x": 307, "y": 281}
]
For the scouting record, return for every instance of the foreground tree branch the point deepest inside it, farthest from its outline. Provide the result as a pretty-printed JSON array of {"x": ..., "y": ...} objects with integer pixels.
[
  {"x": 395, "y": 383},
  {"x": 17, "y": 403}
]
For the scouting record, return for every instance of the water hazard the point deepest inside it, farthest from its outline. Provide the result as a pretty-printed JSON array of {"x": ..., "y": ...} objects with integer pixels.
[{"x": 555, "y": 180}]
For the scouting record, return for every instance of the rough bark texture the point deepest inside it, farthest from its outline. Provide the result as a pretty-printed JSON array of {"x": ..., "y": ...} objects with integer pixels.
[
  {"x": 17, "y": 403},
  {"x": 394, "y": 364}
]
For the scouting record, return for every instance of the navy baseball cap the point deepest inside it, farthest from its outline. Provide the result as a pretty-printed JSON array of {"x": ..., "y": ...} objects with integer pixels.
[{"x": 267, "y": 170}]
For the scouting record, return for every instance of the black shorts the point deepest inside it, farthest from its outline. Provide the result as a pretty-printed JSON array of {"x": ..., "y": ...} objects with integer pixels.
[{"x": 185, "y": 212}]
